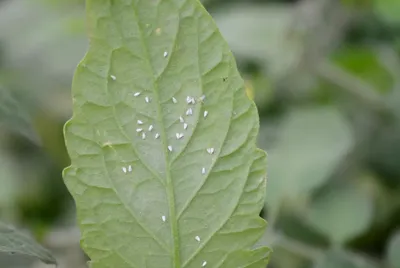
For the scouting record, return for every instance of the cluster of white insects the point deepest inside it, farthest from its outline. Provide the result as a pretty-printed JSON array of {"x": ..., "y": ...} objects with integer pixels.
[{"x": 190, "y": 100}]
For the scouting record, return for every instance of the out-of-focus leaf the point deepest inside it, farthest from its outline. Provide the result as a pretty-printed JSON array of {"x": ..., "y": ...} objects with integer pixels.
[
  {"x": 261, "y": 33},
  {"x": 388, "y": 10},
  {"x": 161, "y": 179},
  {"x": 340, "y": 259},
  {"x": 8, "y": 186},
  {"x": 311, "y": 145},
  {"x": 393, "y": 252},
  {"x": 13, "y": 241},
  {"x": 364, "y": 64},
  {"x": 14, "y": 114},
  {"x": 341, "y": 212}
]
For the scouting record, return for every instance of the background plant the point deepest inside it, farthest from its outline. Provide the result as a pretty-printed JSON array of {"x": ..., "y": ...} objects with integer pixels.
[{"x": 325, "y": 78}]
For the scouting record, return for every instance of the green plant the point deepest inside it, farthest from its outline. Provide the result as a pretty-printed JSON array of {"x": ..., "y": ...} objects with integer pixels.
[
  {"x": 13, "y": 241},
  {"x": 165, "y": 171}
]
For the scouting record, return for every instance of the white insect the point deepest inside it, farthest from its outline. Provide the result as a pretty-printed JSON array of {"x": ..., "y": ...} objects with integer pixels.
[
  {"x": 204, "y": 264},
  {"x": 174, "y": 100},
  {"x": 147, "y": 99},
  {"x": 137, "y": 94},
  {"x": 157, "y": 135},
  {"x": 164, "y": 219},
  {"x": 203, "y": 170},
  {"x": 205, "y": 114},
  {"x": 165, "y": 54},
  {"x": 190, "y": 100},
  {"x": 202, "y": 98},
  {"x": 143, "y": 136},
  {"x": 181, "y": 119},
  {"x": 211, "y": 150},
  {"x": 197, "y": 238},
  {"x": 189, "y": 111},
  {"x": 138, "y": 130},
  {"x": 170, "y": 148},
  {"x": 140, "y": 122},
  {"x": 185, "y": 126},
  {"x": 113, "y": 77},
  {"x": 179, "y": 136},
  {"x": 151, "y": 127},
  {"x": 124, "y": 169},
  {"x": 129, "y": 168}
]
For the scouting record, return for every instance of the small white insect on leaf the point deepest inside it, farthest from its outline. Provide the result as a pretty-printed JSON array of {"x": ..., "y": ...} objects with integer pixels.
[
  {"x": 113, "y": 77},
  {"x": 151, "y": 127},
  {"x": 165, "y": 54},
  {"x": 181, "y": 119},
  {"x": 179, "y": 136},
  {"x": 147, "y": 99},
  {"x": 211, "y": 150},
  {"x": 164, "y": 218},
  {"x": 157, "y": 135},
  {"x": 143, "y": 136},
  {"x": 205, "y": 114},
  {"x": 170, "y": 148},
  {"x": 174, "y": 100},
  {"x": 124, "y": 169},
  {"x": 189, "y": 111},
  {"x": 138, "y": 130},
  {"x": 197, "y": 238},
  {"x": 204, "y": 264},
  {"x": 140, "y": 122},
  {"x": 203, "y": 170},
  {"x": 137, "y": 94},
  {"x": 185, "y": 126}
]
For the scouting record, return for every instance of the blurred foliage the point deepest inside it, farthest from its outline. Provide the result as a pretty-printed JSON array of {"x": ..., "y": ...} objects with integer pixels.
[{"x": 325, "y": 77}]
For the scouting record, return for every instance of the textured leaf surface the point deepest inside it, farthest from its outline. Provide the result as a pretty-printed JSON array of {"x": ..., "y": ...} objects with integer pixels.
[
  {"x": 153, "y": 189},
  {"x": 12, "y": 241}
]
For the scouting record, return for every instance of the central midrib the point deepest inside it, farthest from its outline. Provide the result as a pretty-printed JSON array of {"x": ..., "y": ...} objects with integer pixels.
[{"x": 164, "y": 138}]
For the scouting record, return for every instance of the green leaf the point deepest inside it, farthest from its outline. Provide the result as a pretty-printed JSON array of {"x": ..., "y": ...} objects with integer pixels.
[
  {"x": 13, "y": 241},
  {"x": 311, "y": 144},
  {"x": 388, "y": 10},
  {"x": 263, "y": 33},
  {"x": 341, "y": 212},
  {"x": 364, "y": 63},
  {"x": 393, "y": 252},
  {"x": 15, "y": 115},
  {"x": 137, "y": 170}
]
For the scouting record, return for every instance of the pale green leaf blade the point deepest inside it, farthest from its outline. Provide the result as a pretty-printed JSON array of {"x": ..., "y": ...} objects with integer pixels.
[
  {"x": 153, "y": 189},
  {"x": 13, "y": 241}
]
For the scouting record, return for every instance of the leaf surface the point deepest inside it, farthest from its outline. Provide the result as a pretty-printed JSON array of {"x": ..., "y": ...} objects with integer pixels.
[
  {"x": 161, "y": 179},
  {"x": 13, "y": 241}
]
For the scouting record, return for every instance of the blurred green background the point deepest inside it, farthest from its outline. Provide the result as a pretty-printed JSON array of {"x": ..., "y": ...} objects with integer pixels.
[{"x": 325, "y": 75}]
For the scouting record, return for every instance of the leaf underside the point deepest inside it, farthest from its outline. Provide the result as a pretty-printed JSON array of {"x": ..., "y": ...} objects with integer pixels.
[
  {"x": 13, "y": 241},
  {"x": 151, "y": 190}
]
